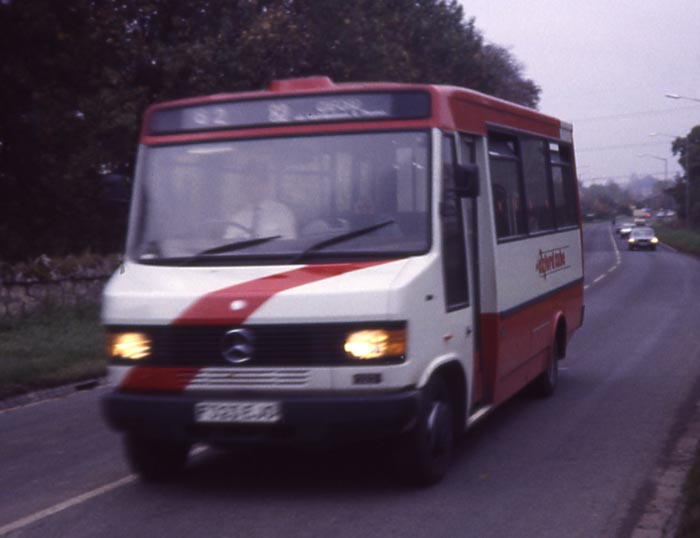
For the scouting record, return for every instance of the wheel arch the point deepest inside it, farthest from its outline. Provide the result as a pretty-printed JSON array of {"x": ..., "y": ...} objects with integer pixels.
[
  {"x": 560, "y": 336},
  {"x": 453, "y": 374}
]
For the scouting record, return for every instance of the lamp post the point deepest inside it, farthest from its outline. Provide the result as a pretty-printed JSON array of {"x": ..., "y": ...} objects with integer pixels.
[
  {"x": 664, "y": 159},
  {"x": 687, "y": 158},
  {"x": 676, "y": 96}
]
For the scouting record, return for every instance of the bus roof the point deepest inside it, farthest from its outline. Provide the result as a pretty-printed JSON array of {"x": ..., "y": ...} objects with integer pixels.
[{"x": 449, "y": 107}]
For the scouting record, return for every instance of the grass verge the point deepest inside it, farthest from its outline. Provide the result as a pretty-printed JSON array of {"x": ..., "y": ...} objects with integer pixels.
[
  {"x": 689, "y": 526},
  {"x": 683, "y": 239},
  {"x": 53, "y": 346},
  {"x": 686, "y": 240}
]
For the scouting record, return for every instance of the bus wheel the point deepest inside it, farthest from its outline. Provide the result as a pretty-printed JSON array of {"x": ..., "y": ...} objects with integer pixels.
[
  {"x": 425, "y": 452},
  {"x": 155, "y": 460},
  {"x": 546, "y": 383}
]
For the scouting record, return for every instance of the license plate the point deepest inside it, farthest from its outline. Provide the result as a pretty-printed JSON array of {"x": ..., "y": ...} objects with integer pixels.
[{"x": 237, "y": 412}]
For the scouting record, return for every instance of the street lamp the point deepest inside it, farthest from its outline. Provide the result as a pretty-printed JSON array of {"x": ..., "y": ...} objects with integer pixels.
[
  {"x": 687, "y": 158},
  {"x": 665, "y": 160},
  {"x": 676, "y": 96}
]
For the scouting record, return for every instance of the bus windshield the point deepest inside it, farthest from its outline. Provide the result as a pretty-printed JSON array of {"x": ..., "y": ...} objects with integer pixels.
[{"x": 280, "y": 200}]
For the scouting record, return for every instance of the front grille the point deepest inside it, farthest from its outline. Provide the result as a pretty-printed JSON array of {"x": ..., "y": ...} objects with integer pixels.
[
  {"x": 227, "y": 378},
  {"x": 272, "y": 345}
]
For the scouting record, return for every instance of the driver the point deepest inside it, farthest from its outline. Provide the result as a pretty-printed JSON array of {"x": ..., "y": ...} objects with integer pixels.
[{"x": 263, "y": 216}]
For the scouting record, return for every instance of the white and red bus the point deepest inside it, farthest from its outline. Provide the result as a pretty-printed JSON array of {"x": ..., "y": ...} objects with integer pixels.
[{"x": 335, "y": 261}]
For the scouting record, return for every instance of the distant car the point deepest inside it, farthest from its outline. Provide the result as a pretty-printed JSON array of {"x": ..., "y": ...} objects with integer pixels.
[
  {"x": 640, "y": 221},
  {"x": 625, "y": 229},
  {"x": 642, "y": 237}
]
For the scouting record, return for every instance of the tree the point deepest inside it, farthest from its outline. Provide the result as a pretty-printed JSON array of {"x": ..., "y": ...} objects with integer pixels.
[
  {"x": 502, "y": 76},
  {"x": 605, "y": 200},
  {"x": 78, "y": 75},
  {"x": 688, "y": 150}
]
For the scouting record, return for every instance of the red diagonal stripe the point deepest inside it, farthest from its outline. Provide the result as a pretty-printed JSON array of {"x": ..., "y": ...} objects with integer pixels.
[
  {"x": 158, "y": 379},
  {"x": 215, "y": 308}
]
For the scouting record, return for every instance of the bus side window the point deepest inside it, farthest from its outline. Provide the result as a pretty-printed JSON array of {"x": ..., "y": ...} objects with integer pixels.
[
  {"x": 499, "y": 202},
  {"x": 454, "y": 256},
  {"x": 564, "y": 185},
  {"x": 509, "y": 208},
  {"x": 540, "y": 213}
]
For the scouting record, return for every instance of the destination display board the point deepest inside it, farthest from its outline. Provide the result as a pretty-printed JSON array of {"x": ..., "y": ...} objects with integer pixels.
[{"x": 335, "y": 107}]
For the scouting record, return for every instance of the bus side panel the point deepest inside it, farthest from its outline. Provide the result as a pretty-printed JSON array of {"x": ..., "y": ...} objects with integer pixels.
[
  {"x": 516, "y": 345},
  {"x": 489, "y": 352}
]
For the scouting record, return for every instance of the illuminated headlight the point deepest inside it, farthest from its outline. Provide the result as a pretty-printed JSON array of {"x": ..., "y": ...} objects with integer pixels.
[
  {"x": 630, "y": 240},
  {"x": 376, "y": 343},
  {"x": 129, "y": 346},
  {"x": 654, "y": 240}
]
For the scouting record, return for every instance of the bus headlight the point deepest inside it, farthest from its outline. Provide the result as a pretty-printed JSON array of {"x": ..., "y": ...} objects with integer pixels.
[
  {"x": 129, "y": 346},
  {"x": 376, "y": 343}
]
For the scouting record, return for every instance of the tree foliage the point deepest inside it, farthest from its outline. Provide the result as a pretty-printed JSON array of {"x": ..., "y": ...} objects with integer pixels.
[
  {"x": 687, "y": 149},
  {"x": 605, "y": 200},
  {"x": 77, "y": 76}
]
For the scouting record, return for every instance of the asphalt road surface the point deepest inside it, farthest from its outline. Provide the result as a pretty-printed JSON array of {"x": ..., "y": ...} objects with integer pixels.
[{"x": 575, "y": 465}]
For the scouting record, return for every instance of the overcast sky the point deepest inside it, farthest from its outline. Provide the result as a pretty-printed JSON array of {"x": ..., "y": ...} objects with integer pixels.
[{"x": 605, "y": 65}]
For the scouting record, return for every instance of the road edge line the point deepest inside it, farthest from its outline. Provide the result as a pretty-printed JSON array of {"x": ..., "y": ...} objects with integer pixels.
[
  {"x": 618, "y": 261},
  {"x": 78, "y": 499}
]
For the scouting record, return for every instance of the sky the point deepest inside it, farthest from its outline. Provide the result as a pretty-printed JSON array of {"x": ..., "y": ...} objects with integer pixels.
[{"x": 605, "y": 66}]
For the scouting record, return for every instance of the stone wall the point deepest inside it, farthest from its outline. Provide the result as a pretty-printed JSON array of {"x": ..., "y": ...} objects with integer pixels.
[
  {"x": 51, "y": 282},
  {"x": 21, "y": 298}
]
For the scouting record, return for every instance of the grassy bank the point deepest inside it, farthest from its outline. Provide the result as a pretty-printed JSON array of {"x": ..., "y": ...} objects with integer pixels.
[
  {"x": 689, "y": 526},
  {"x": 688, "y": 241},
  {"x": 53, "y": 346},
  {"x": 683, "y": 239}
]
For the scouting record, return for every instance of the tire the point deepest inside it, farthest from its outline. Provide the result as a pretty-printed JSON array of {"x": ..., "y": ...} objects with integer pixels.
[
  {"x": 545, "y": 384},
  {"x": 155, "y": 460},
  {"x": 426, "y": 451}
]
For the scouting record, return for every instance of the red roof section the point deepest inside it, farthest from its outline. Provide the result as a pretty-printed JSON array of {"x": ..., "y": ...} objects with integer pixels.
[{"x": 453, "y": 108}]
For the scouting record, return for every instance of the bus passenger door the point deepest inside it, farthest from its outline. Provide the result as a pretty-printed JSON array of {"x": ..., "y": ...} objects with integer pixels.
[{"x": 456, "y": 215}]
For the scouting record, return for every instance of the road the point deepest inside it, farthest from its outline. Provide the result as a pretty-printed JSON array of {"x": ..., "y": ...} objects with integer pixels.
[{"x": 576, "y": 465}]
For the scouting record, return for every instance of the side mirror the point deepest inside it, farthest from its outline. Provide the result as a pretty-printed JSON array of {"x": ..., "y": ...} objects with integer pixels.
[
  {"x": 115, "y": 190},
  {"x": 467, "y": 180}
]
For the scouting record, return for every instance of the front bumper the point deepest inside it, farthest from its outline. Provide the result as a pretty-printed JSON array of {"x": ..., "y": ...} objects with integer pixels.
[
  {"x": 643, "y": 245},
  {"x": 304, "y": 418}
]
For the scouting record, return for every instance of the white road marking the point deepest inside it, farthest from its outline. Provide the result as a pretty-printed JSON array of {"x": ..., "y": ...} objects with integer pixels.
[
  {"x": 618, "y": 258},
  {"x": 618, "y": 261},
  {"x": 78, "y": 499}
]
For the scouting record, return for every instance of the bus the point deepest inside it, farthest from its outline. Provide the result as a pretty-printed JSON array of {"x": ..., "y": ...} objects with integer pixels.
[{"x": 324, "y": 262}]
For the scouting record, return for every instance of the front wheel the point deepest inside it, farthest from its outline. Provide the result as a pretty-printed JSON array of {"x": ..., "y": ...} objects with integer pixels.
[
  {"x": 155, "y": 460},
  {"x": 426, "y": 451}
]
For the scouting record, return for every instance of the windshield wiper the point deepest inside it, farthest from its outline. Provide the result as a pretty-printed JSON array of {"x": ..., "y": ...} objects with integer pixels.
[
  {"x": 230, "y": 247},
  {"x": 340, "y": 239}
]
